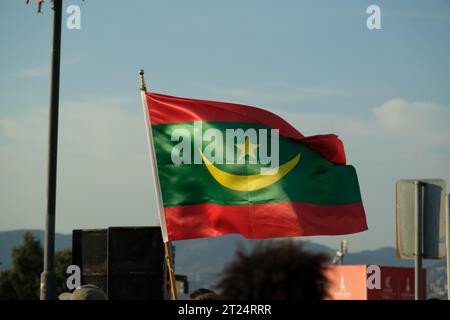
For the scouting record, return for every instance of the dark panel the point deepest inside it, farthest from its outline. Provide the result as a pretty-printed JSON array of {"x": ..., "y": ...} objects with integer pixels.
[
  {"x": 127, "y": 263},
  {"x": 135, "y": 263},
  {"x": 89, "y": 249},
  {"x": 136, "y": 286},
  {"x": 135, "y": 250}
]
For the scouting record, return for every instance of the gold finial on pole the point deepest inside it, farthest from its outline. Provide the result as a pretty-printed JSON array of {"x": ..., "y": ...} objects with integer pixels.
[{"x": 141, "y": 76}]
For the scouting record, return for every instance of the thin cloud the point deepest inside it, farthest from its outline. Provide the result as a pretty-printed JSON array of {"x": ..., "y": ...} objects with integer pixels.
[
  {"x": 396, "y": 122},
  {"x": 104, "y": 176},
  {"x": 41, "y": 71},
  {"x": 34, "y": 72}
]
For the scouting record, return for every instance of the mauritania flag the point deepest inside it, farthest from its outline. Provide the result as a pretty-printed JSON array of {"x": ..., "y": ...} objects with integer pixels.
[{"x": 227, "y": 168}]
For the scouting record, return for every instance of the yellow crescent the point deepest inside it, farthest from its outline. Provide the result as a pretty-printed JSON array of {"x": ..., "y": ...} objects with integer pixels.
[{"x": 250, "y": 182}]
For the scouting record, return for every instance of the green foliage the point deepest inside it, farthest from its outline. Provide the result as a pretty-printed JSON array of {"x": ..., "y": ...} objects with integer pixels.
[
  {"x": 6, "y": 285},
  {"x": 22, "y": 281},
  {"x": 63, "y": 259}
]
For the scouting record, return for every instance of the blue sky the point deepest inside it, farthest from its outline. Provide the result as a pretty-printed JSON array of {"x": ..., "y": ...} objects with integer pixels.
[{"x": 385, "y": 92}]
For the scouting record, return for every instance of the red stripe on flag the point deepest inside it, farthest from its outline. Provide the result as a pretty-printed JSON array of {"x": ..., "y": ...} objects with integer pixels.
[
  {"x": 165, "y": 109},
  {"x": 258, "y": 221}
]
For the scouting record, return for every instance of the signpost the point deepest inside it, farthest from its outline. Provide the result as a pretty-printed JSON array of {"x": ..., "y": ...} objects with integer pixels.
[
  {"x": 418, "y": 215},
  {"x": 422, "y": 223}
]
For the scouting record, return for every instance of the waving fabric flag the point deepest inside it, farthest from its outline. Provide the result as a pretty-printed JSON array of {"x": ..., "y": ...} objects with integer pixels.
[{"x": 227, "y": 168}]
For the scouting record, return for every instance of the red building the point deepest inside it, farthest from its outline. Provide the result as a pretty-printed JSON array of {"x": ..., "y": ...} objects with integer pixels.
[{"x": 362, "y": 282}]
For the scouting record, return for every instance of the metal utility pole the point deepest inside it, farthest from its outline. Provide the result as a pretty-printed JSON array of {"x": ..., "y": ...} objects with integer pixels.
[
  {"x": 344, "y": 250},
  {"x": 340, "y": 254},
  {"x": 48, "y": 277}
]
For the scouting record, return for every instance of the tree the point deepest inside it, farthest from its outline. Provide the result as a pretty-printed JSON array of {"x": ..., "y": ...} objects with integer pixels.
[
  {"x": 22, "y": 281},
  {"x": 6, "y": 286},
  {"x": 63, "y": 259}
]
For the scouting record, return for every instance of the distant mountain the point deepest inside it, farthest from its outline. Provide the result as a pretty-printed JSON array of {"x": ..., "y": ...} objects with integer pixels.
[
  {"x": 203, "y": 259},
  {"x": 201, "y": 255},
  {"x": 210, "y": 255},
  {"x": 386, "y": 256}
]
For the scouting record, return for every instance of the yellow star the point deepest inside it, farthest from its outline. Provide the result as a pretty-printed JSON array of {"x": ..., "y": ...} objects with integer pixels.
[{"x": 247, "y": 148}]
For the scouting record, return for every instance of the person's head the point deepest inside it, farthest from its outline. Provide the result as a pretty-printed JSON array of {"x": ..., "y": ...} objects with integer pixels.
[
  {"x": 277, "y": 270},
  {"x": 202, "y": 294},
  {"x": 84, "y": 292}
]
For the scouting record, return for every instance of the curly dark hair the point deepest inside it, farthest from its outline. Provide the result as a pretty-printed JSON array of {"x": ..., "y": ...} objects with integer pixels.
[
  {"x": 203, "y": 294},
  {"x": 277, "y": 270}
]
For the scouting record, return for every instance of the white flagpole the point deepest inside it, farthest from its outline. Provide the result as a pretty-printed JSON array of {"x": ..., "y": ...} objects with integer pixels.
[{"x": 159, "y": 200}]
